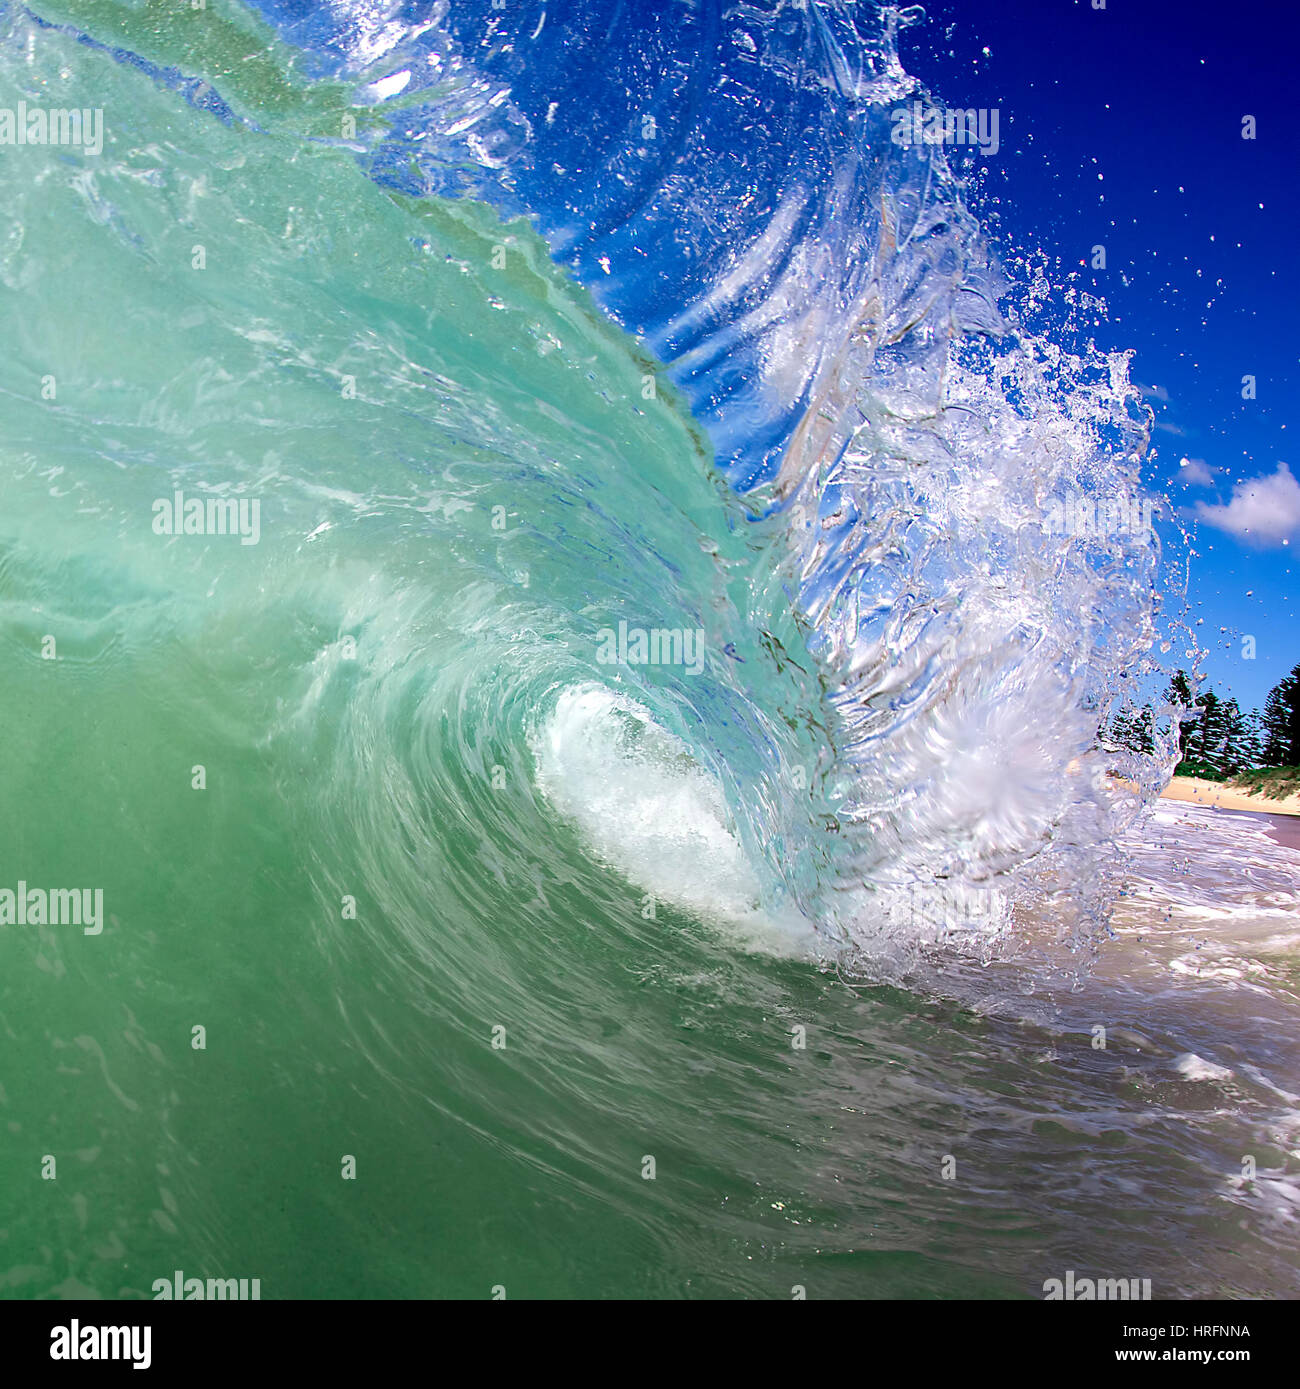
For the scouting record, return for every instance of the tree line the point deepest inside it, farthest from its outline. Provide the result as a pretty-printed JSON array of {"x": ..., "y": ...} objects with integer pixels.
[{"x": 1216, "y": 733}]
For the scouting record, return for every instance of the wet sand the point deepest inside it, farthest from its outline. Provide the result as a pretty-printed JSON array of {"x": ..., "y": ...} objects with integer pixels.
[{"x": 1282, "y": 829}]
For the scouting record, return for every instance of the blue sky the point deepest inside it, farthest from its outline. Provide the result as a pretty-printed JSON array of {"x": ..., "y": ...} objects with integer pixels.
[{"x": 1123, "y": 127}]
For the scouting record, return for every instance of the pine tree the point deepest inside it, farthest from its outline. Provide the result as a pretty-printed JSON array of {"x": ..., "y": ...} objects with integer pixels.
[
  {"x": 1281, "y": 722},
  {"x": 1253, "y": 741},
  {"x": 1205, "y": 743},
  {"x": 1131, "y": 729},
  {"x": 1234, "y": 753},
  {"x": 1179, "y": 696}
]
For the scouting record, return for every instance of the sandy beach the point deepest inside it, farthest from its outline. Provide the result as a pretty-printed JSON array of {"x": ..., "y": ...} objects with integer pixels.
[{"x": 1186, "y": 788}]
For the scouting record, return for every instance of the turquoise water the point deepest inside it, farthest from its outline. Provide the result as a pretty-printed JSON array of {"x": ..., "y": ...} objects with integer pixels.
[{"x": 611, "y": 980}]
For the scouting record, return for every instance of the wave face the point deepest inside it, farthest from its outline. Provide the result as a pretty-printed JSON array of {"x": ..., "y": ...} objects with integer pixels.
[
  {"x": 725, "y": 184},
  {"x": 531, "y": 335}
]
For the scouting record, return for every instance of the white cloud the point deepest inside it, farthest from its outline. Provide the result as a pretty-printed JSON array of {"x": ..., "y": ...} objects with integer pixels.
[
  {"x": 1195, "y": 472},
  {"x": 1263, "y": 510}
]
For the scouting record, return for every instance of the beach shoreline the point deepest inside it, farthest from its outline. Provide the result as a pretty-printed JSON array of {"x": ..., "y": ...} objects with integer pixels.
[{"x": 1196, "y": 791}]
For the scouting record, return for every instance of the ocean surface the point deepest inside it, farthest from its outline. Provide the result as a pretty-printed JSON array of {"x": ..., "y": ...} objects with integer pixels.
[{"x": 389, "y": 376}]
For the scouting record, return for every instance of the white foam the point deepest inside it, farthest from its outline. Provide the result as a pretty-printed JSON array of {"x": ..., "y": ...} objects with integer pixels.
[
  {"x": 1193, "y": 1067},
  {"x": 647, "y": 808}
]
